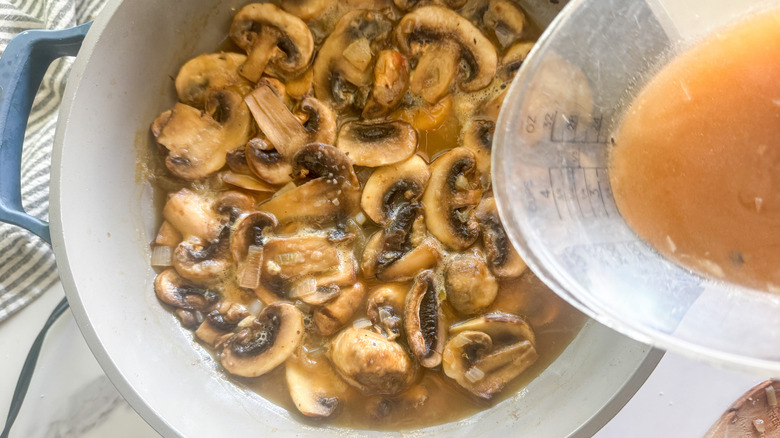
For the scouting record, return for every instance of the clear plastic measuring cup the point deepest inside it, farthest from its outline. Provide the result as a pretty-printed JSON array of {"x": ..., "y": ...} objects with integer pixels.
[{"x": 552, "y": 186}]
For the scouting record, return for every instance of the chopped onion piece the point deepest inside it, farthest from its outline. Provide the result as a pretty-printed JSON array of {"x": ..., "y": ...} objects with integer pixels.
[
  {"x": 249, "y": 274},
  {"x": 360, "y": 218},
  {"x": 384, "y": 314},
  {"x": 199, "y": 316},
  {"x": 474, "y": 374},
  {"x": 771, "y": 396},
  {"x": 246, "y": 322},
  {"x": 255, "y": 307},
  {"x": 162, "y": 256},
  {"x": 358, "y": 54},
  {"x": 362, "y": 323},
  {"x": 303, "y": 288},
  {"x": 287, "y": 258}
]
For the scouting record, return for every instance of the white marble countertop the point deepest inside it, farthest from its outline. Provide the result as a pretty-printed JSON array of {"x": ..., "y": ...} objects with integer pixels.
[{"x": 70, "y": 396}]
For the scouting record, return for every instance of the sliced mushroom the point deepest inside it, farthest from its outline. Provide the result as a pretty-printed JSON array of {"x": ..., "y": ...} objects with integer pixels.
[
  {"x": 167, "y": 235},
  {"x": 385, "y": 308},
  {"x": 513, "y": 59},
  {"x": 197, "y": 142},
  {"x": 391, "y": 79},
  {"x": 315, "y": 388},
  {"x": 288, "y": 258},
  {"x": 237, "y": 162},
  {"x": 450, "y": 198},
  {"x": 321, "y": 122},
  {"x": 316, "y": 201},
  {"x": 271, "y": 338},
  {"x": 306, "y": 10},
  {"x": 371, "y": 363},
  {"x": 204, "y": 74},
  {"x": 391, "y": 186},
  {"x": 401, "y": 250},
  {"x": 274, "y": 40},
  {"x": 202, "y": 261},
  {"x": 246, "y": 246},
  {"x": 375, "y": 144},
  {"x": 192, "y": 215},
  {"x": 501, "y": 256},
  {"x": 267, "y": 163},
  {"x": 486, "y": 353},
  {"x": 221, "y": 322},
  {"x": 380, "y": 407},
  {"x": 470, "y": 285},
  {"x": 187, "y": 297},
  {"x": 246, "y": 182},
  {"x": 478, "y": 138},
  {"x": 437, "y": 29},
  {"x": 342, "y": 70},
  {"x": 233, "y": 204},
  {"x": 424, "y": 321},
  {"x": 318, "y": 160},
  {"x": 328, "y": 319},
  {"x": 505, "y": 20}
]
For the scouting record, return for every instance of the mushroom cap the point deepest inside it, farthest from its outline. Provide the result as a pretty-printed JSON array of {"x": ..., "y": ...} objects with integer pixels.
[
  {"x": 267, "y": 163},
  {"x": 250, "y": 230},
  {"x": 513, "y": 59},
  {"x": 321, "y": 122},
  {"x": 390, "y": 186},
  {"x": 197, "y": 142},
  {"x": 328, "y": 319},
  {"x": 315, "y": 388},
  {"x": 375, "y": 144},
  {"x": 174, "y": 290},
  {"x": 478, "y": 138},
  {"x": 192, "y": 214},
  {"x": 319, "y": 160},
  {"x": 370, "y": 362},
  {"x": 337, "y": 80},
  {"x": 501, "y": 256},
  {"x": 429, "y": 24},
  {"x": 470, "y": 285},
  {"x": 209, "y": 72},
  {"x": 271, "y": 338},
  {"x": 483, "y": 354},
  {"x": 451, "y": 196},
  {"x": 202, "y": 261},
  {"x": 291, "y": 36},
  {"x": 424, "y": 321}
]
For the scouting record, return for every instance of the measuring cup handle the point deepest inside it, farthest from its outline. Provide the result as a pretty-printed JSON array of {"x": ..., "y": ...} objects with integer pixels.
[{"x": 22, "y": 68}]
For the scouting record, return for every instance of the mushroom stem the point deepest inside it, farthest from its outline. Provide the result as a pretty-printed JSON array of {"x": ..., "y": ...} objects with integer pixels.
[{"x": 260, "y": 53}]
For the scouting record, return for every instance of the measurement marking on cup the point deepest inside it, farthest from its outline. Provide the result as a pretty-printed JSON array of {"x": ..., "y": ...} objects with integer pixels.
[{"x": 578, "y": 192}]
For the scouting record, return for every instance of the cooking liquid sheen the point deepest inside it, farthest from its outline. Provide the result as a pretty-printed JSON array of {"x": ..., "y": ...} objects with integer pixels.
[{"x": 695, "y": 168}]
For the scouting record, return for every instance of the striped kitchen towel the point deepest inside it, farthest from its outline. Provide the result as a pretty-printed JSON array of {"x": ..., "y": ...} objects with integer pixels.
[{"x": 27, "y": 267}]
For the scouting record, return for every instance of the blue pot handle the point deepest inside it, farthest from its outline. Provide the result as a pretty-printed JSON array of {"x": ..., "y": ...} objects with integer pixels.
[{"x": 22, "y": 67}]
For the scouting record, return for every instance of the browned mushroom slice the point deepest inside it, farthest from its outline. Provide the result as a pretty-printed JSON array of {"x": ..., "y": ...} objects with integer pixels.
[
  {"x": 315, "y": 388},
  {"x": 319, "y": 161},
  {"x": 513, "y": 59},
  {"x": 401, "y": 250},
  {"x": 197, "y": 141},
  {"x": 385, "y": 308},
  {"x": 391, "y": 186},
  {"x": 196, "y": 260},
  {"x": 375, "y": 144},
  {"x": 342, "y": 68},
  {"x": 192, "y": 215},
  {"x": 424, "y": 321},
  {"x": 187, "y": 297},
  {"x": 306, "y": 10},
  {"x": 246, "y": 246},
  {"x": 434, "y": 74},
  {"x": 288, "y": 258},
  {"x": 470, "y": 286},
  {"x": 274, "y": 40},
  {"x": 501, "y": 256},
  {"x": 220, "y": 322},
  {"x": 391, "y": 79},
  {"x": 246, "y": 182},
  {"x": 371, "y": 363},
  {"x": 505, "y": 20},
  {"x": 267, "y": 163},
  {"x": 233, "y": 204},
  {"x": 319, "y": 200},
  {"x": 328, "y": 319},
  {"x": 478, "y": 138},
  {"x": 237, "y": 162},
  {"x": 266, "y": 343},
  {"x": 485, "y": 353},
  {"x": 450, "y": 198},
  {"x": 206, "y": 73},
  {"x": 321, "y": 123},
  {"x": 428, "y": 27}
]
